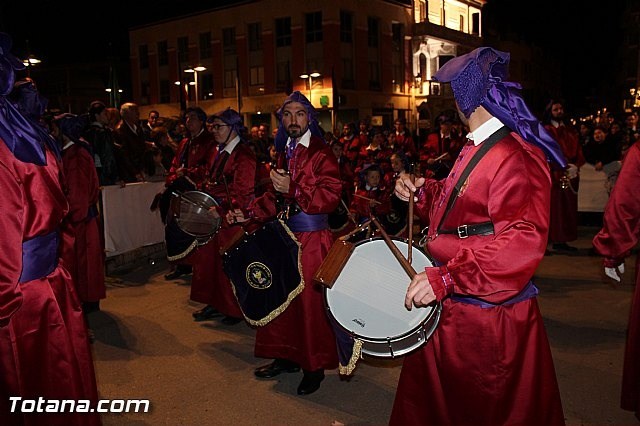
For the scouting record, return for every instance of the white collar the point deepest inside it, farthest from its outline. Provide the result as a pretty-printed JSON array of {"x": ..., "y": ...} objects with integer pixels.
[
  {"x": 371, "y": 188},
  {"x": 67, "y": 144},
  {"x": 485, "y": 130},
  {"x": 199, "y": 133},
  {"x": 556, "y": 124},
  {"x": 229, "y": 147},
  {"x": 304, "y": 139}
]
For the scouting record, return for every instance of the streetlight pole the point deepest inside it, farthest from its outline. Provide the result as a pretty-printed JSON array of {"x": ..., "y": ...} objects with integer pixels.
[
  {"x": 195, "y": 71},
  {"x": 310, "y": 77}
]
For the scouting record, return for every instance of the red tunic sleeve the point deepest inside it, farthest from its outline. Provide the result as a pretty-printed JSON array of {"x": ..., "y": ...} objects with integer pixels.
[
  {"x": 11, "y": 224},
  {"x": 315, "y": 182},
  {"x": 621, "y": 221},
  {"x": 511, "y": 188}
]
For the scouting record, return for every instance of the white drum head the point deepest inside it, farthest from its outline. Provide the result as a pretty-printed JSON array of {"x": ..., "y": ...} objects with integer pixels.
[{"x": 367, "y": 299}]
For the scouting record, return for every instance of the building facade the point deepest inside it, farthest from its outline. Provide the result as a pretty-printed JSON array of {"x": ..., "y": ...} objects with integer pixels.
[{"x": 353, "y": 59}]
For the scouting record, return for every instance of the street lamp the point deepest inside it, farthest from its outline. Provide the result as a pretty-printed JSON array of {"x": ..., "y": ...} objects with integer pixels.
[
  {"x": 416, "y": 88},
  {"x": 29, "y": 62},
  {"x": 114, "y": 96},
  {"x": 195, "y": 71},
  {"x": 310, "y": 77},
  {"x": 635, "y": 97}
]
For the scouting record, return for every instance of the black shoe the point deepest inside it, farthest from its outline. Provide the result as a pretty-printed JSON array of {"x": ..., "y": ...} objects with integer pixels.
[
  {"x": 278, "y": 366},
  {"x": 206, "y": 313},
  {"x": 310, "y": 382},
  {"x": 88, "y": 307},
  {"x": 230, "y": 320},
  {"x": 178, "y": 272},
  {"x": 563, "y": 247},
  {"x": 548, "y": 253}
]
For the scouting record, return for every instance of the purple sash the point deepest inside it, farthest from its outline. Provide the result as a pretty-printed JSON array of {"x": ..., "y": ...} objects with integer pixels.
[
  {"x": 302, "y": 222},
  {"x": 529, "y": 291},
  {"x": 39, "y": 257}
]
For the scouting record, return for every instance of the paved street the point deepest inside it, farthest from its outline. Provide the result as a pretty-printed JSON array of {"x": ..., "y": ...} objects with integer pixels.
[{"x": 148, "y": 347}]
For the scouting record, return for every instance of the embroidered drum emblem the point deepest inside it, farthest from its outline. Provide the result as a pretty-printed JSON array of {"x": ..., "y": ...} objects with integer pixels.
[{"x": 258, "y": 276}]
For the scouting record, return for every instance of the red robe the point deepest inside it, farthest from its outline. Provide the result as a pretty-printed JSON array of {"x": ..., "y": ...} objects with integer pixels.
[
  {"x": 197, "y": 155},
  {"x": 485, "y": 365},
  {"x": 209, "y": 283},
  {"x": 619, "y": 234},
  {"x": 85, "y": 256},
  {"x": 404, "y": 143},
  {"x": 302, "y": 333},
  {"x": 44, "y": 350},
  {"x": 361, "y": 206},
  {"x": 563, "y": 225}
]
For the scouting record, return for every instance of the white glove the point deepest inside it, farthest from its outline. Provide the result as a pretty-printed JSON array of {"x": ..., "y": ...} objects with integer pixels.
[
  {"x": 572, "y": 171},
  {"x": 615, "y": 273}
]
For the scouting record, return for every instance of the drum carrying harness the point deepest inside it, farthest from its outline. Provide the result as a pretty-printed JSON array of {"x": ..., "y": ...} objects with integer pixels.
[{"x": 483, "y": 228}]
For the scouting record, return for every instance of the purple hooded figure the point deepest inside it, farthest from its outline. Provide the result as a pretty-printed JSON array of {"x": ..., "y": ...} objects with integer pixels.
[
  {"x": 18, "y": 129},
  {"x": 478, "y": 79}
]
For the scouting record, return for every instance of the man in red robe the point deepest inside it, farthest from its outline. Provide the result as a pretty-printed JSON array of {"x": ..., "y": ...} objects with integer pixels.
[
  {"x": 488, "y": 360},
  {"x": 231, "y": 182},
  {"x": 619, "y": 235},
  {"x": 44, "y": 349},
  {"x": 563, "y": 226},
  {"x": 301, "y": 336},
  {"x": 85, "y": 255},
  {"x": 189, "y": 168}
]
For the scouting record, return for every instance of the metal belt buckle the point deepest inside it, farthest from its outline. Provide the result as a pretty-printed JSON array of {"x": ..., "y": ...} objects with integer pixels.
[{"x": 463, "y": 231}]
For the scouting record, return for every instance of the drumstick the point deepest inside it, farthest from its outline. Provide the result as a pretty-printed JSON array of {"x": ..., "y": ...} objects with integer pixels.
[
  {"x": 193, "y": 203},
  {"x": 440, "y": 157},
  {"x": 355, "y": 231},
  {"x": 410, "y": 223},
  {"x": 347, "y": 208},
  {"x": 396, "y": 252},
  {"x": 367, "y": 198}
]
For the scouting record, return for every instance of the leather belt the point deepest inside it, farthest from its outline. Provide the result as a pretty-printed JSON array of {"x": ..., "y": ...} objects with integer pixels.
[{"x": 465, "y": 231}]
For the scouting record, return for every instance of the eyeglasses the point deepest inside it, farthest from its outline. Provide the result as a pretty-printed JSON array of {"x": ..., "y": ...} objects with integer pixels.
[{"x": 216, "y": 127}]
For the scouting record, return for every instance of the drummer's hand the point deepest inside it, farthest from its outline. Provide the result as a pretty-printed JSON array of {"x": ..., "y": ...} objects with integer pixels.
[
  {"x": 180, "y": 172},
  {"x": 404, "y": 187},
  {"x": 236, "y": 216},
  {"x": 280, "y": 180},
  {"x": 214, "y": 212},
  {"x": 420, "y": 293}
]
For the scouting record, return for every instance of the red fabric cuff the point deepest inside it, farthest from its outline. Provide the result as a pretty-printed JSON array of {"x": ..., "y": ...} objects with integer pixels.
[
  {"x": 612, "y": 262},
  {"x": 441, "y": 281}
]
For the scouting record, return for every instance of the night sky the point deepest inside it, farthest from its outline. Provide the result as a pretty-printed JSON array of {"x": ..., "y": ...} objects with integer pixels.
[{"x": 583, "y": 37}]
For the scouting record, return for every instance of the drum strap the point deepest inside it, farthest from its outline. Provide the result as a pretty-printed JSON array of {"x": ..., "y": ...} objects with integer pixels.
[
  {"x": 486, "y": 146},
  {"x": 218, "y": 166}
]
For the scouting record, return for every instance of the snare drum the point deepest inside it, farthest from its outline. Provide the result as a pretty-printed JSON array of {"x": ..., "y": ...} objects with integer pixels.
[
  {"x": 193, "y": 216},
  {"x": 367, "y": 300}
]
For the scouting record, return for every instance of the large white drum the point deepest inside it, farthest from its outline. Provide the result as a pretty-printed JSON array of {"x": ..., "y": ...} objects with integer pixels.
[{"x": 367, "y": 300}]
